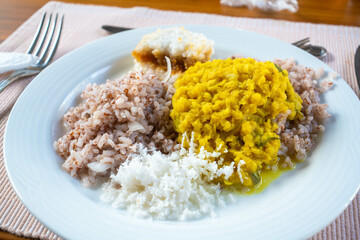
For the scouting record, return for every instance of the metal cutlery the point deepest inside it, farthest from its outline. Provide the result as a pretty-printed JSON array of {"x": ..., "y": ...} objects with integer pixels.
[
  {"x": 357, "y": 65},
  {"x": 317, "y": 51},
  {"x": 113, "y": 29},
  {"x": 44, "y": 51}
]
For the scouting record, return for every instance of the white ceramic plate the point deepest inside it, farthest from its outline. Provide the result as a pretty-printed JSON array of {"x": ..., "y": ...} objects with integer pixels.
[{"x": 296, "y": 206}]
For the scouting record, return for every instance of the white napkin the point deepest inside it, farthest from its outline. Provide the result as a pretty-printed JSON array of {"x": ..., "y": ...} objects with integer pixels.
[
  {"x": 266, "y": 5},
  {"x": 10, "y": 61}
]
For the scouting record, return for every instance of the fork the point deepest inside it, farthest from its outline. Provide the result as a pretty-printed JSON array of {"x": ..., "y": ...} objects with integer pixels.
[{"x": 45, "y": 51}]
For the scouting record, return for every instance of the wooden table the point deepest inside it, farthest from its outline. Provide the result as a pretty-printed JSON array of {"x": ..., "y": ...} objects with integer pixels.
[{"x": 340, "y": 12}]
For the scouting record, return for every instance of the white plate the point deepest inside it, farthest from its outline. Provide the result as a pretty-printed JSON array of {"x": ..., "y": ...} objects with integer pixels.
[{"x": 296, "y": 206}]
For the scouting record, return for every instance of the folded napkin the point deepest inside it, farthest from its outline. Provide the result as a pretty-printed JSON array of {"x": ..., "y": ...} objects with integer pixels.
[
  {"x": 10, "y": 61},
  {"x": 265, "y": 5},
  {"x": 83, "y": 25}
]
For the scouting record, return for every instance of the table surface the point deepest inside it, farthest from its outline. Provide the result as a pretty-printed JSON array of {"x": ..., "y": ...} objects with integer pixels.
[{"x": 338, "y": 12}]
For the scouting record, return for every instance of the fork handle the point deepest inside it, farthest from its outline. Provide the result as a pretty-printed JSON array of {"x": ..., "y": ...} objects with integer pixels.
[
  {"x": 16, "y": 75},
  {"x": 4, "y": 84}
]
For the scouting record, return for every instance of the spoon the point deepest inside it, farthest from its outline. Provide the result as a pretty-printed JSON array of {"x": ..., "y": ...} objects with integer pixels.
[{"x": 316, "y": 51}]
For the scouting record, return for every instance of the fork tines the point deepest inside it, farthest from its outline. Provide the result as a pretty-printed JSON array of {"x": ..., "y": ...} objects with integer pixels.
[{"x": 45, "y": 40}]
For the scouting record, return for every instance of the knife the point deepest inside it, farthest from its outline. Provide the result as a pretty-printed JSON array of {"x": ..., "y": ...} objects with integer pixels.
[
  {"x": 113, "y": 29},
  {"x": 357, "y": 65}
]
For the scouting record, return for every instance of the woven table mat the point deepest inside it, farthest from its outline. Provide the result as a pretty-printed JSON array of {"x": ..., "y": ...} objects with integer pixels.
[{"x": 83, "y": 25}]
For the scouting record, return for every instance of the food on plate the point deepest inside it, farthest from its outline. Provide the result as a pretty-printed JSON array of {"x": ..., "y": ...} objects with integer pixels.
[
  {"x": 298, "y": 137},
  {"x": 103, "y": 129},
  {"x": 184, "y": 48},
  {"x": 176, "y": 186},
  {"x": 169, "y": 149},
  {"x": 233, "y": 106}
]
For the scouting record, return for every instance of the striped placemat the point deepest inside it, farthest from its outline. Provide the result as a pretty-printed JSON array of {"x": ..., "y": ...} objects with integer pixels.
[{"x": 82, "y": 25}]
